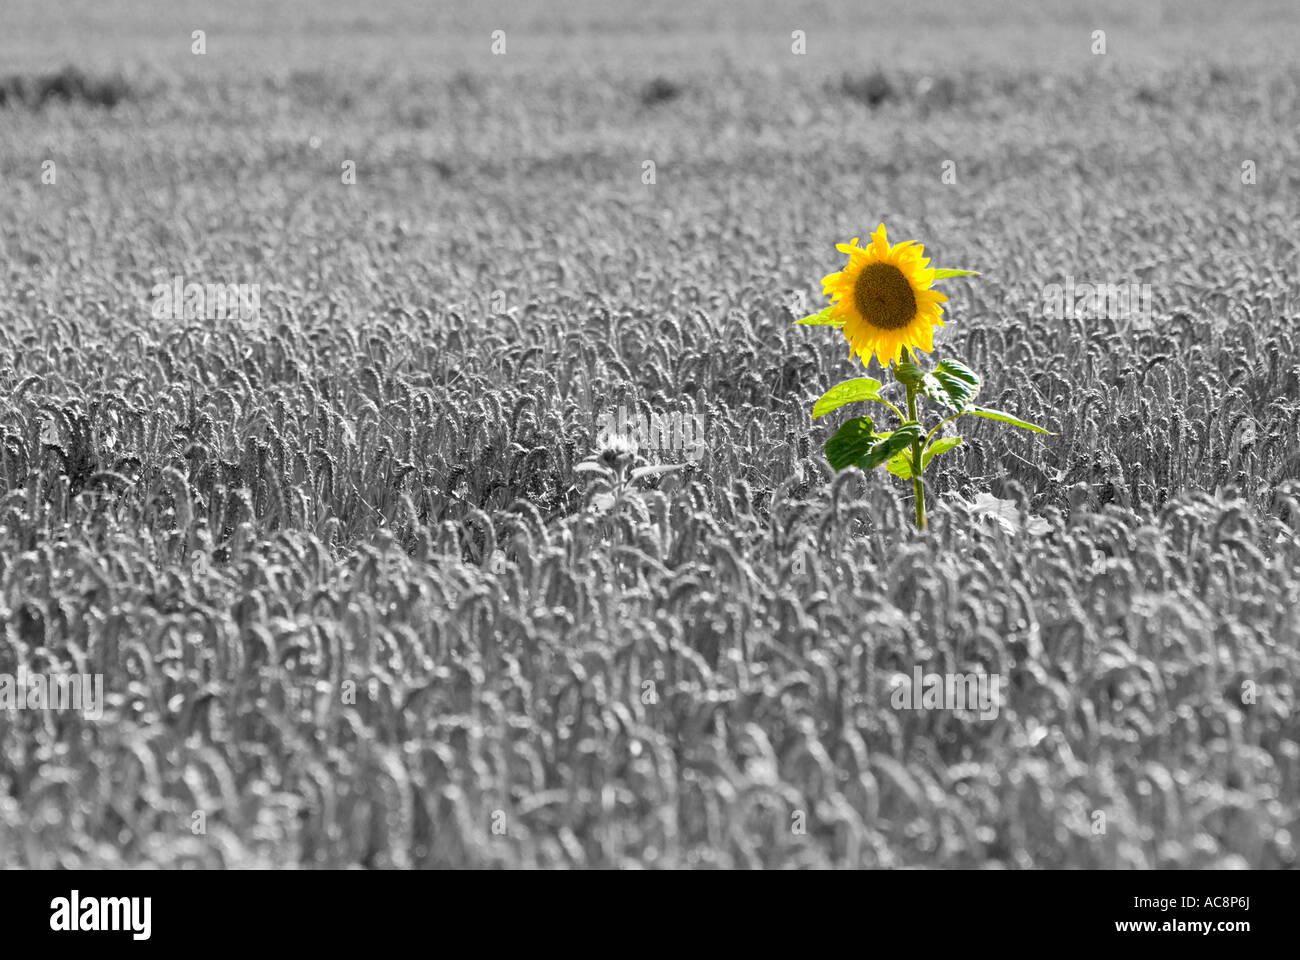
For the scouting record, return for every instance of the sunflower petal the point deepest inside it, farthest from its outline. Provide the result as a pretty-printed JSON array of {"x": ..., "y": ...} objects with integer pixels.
[{"x": 880, "y": 241}]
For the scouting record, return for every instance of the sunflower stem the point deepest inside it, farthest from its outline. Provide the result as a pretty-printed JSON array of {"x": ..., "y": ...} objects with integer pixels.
[{"x": 918, "y": 488}]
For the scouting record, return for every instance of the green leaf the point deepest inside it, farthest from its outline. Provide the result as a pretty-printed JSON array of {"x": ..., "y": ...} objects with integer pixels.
[
  {"x": 900, "y": 465},
  {"x": 936, "y": 448},
  {"x": 912, "y": 375},
  {"x": 855, "y": 444},
  {"x": 1006, "y": 418},
  {"x": 945, "y": 274},
  {"x": 908, "y": 373},
  {"x": 850, "y": 442},
  {"x": 850, "y": 391},
  {"x": 887, "y": 445},
  {"x": 822, "y": 318},
  {"x": 952, "y": 384}
]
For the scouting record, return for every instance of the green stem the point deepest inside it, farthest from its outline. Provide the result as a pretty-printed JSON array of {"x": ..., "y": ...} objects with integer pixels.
[{"x": 918, "y": 489}]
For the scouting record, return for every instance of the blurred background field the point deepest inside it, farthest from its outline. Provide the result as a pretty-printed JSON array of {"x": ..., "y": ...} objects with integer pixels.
[{"x": 232, "y": 521}]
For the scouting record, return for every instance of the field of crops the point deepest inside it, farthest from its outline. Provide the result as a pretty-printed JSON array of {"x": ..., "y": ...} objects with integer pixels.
[{"x": 367, "y": 582}]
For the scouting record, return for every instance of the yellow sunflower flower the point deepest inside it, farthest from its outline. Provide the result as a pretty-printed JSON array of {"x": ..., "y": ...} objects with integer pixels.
[{"x": 884, "y": 298}]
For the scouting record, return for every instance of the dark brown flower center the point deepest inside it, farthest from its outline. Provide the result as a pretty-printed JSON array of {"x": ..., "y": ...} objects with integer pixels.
[{"x": 884, "y": 297}]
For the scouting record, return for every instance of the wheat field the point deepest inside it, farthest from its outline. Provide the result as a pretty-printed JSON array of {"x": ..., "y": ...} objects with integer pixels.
[{"x": 367, "y": 586}]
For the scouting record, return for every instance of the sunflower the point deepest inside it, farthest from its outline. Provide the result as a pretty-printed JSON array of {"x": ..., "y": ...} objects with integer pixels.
[{"x": 884, "y": 298}]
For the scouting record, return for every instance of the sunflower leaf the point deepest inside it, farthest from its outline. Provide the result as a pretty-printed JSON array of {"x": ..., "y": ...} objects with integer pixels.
[
  {"x": 952, "y": 384},
  {"x": 850, "y": 391},
  {"x": 888, "y": 445},
  {"x": 822, "y": 318},
  {"x": 933, "y": 389},
  {"x": 900, "y": 464},
  {"x": 936, "y": 448},
  {"x": 908, "y": 373},
  {"x": 850, "y": 442},
  {"x": 1005, "y": 418},
  {"x": 945, "y": 274}
]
